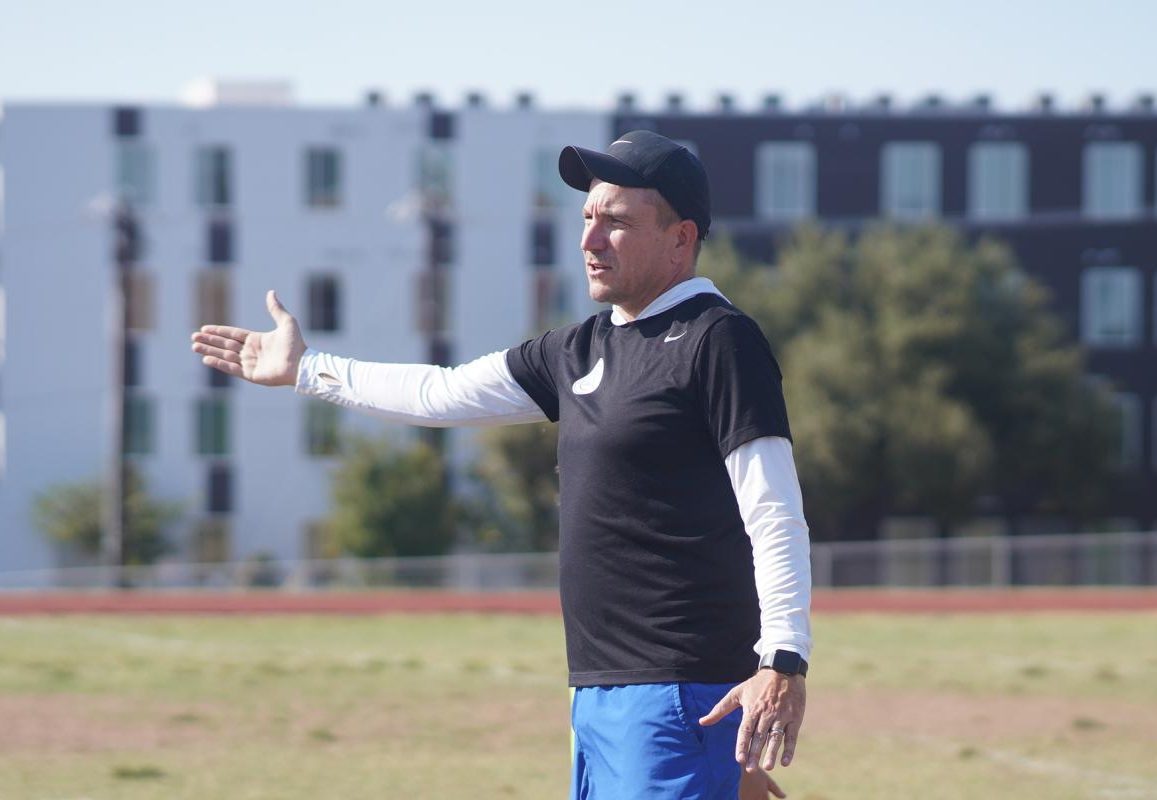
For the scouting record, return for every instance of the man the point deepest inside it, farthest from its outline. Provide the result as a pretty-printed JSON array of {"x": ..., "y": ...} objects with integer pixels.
[{"x": 676, "y": 479}]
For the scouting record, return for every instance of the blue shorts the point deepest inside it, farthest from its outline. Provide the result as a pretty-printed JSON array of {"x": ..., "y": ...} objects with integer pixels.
[{"x": 646, "y": 742}]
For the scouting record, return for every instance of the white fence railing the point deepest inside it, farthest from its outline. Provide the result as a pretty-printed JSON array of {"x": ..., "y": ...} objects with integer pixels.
[{"x": 1100, "y": 559}]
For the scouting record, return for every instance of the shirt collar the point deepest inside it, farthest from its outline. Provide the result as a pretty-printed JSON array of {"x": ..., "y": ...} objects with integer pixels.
[{"x": 684, "y": 290}]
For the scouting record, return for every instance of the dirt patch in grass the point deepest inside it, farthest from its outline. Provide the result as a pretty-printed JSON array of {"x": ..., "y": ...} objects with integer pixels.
[
  {"x": 84, "y": 723},
  {"x": 973, "y": 718}
]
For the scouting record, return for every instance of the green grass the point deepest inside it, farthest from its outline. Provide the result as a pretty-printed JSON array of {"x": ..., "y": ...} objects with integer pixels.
[{"x": 1026, "y": 707}]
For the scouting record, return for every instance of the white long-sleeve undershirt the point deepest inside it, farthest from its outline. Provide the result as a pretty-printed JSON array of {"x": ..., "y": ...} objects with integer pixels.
[{"x": 483, "y": 392}]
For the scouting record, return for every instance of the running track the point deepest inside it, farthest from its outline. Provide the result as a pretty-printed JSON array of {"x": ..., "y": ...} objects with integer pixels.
[{"x": 546, "y": 602}]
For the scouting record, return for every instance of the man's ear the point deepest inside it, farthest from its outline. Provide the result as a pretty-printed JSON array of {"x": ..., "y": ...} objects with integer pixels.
[{"x": 688, "y": 234}]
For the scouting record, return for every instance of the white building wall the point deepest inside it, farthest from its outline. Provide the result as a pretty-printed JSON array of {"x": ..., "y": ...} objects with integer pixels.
[
  {"x": 56, "y": 272},
  {"x": 55, "y": 253}
]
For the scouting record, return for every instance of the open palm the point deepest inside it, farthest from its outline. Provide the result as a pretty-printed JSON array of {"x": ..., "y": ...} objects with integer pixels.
[{"x": 269, "y": 358}]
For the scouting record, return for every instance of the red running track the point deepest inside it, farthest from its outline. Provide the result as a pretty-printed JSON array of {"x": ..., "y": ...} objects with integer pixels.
[{"x": 921, "y": 601}]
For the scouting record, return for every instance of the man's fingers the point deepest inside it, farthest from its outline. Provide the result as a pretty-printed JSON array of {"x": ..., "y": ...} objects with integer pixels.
[
  {"x": 724, "y": 707},
  {"x": 227, "y": 331},
  {"x": 775, "y": 740},
  {"x": 217, "y": 353},
  {"x": 219, "y": 342},
  {"x": 748, "y": 747},
  {"x": 789, "y": 744},
  {"x": 228, "y": 367},
  {"x": 276, "y": 310}
]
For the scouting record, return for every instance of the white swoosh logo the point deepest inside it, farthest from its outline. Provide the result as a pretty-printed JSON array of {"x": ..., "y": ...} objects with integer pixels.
[
  {"x": 670, "y": 338},
  {"x": 589, "y": 382}
]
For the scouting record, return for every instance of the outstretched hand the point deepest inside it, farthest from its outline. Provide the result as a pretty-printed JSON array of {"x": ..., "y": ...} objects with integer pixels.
[
  {"x": 773, "y": 706},
  {"x": 270, "y": 358}
]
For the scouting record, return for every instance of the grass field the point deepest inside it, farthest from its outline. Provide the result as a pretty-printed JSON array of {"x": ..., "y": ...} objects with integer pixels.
[{"x": 957, "y": 706}]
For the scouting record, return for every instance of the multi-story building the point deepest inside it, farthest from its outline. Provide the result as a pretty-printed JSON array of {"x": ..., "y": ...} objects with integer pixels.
[
  {"x": 423, "y": 234},
  {"x": 1072, "y": 192},
  {"x": 400, "y": 234}
]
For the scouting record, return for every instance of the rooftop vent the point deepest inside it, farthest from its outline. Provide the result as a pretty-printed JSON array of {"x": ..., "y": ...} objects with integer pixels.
[
  {"x": 772, "y": 103},
  {"x": 1044, "y": 103},
  {"x": 375, "y": 98},
  {"x": 982, "y": 102},
  {"x": 1094, "y": 103},
  {"x": 674, "y": 102},
  {"x": 524, "y": 100},
  {"x": 424, "y": 99},
  {"x": 725, "y": 102},
  {"x": 207, "y": 92},
  {"x": 625, "y": 102},
  {"x": 1143, "y": 103},
  {"x": 882, "y": 102},
  {"x": 475, "y": 100}
]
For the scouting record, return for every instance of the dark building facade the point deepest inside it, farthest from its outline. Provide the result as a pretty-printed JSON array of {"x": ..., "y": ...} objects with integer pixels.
[{"x": 1073, "y": 194}]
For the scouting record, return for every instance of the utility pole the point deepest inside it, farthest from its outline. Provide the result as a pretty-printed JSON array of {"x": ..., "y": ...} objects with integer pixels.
[{"x": 126, "y": 250}]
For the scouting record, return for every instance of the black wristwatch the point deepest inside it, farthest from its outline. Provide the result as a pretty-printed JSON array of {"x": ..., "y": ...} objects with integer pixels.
[{"x": 784, "y": 662}]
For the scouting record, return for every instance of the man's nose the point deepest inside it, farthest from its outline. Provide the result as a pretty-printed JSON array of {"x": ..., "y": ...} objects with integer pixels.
[{"x": 594, "y": 238}]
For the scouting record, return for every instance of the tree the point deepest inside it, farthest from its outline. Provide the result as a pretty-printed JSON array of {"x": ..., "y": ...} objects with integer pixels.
[
  {"x": 71, "y": 515},
  {"x": 518, "y": 468},
  {"x": 391, "y": 501},
  {"x": 923, "y": 374}
]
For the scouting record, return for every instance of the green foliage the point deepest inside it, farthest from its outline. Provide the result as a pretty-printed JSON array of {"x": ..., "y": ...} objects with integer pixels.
[
  {"x": 518, "y": 468},
  {"x": 922, "y": 374},
  {"x": 391, "y": 501},
  {"x": 71, "y": 514}
]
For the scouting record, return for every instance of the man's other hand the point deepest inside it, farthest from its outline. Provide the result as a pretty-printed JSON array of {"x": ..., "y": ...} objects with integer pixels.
[
  {"x": 773, "y": 706},
  {"x": 270, "y": 358}
]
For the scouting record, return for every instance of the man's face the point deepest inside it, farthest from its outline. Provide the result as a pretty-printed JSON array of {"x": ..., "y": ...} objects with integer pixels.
[{"x": 628, "y": 255}]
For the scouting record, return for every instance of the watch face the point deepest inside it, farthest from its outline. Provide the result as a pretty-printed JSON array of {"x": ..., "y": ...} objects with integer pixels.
[{"x": 788, "y": 663}]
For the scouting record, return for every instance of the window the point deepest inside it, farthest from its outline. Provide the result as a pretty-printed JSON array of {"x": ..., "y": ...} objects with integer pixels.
[
  {"x": 134, "y": 171},
  {"x": 785, "y": 180},
  {"x": 139, "y": 300},
  {"x": 910, "y": 185},
  {"x": 132, "y": 364},
  {"x": 213, "y": 306},
  {"x": 549, "y": 190},
  {"x": 214, "y": 171},
  {"x": 322, "y": 177},
  {"x": 219, "y": 242},
  {"x": 323, "y": 311},
  {"x": 542, "y": 243},
  {"x": 138, "y": 425},
  {"x": 549, "y": 302},
  {"x": 219, "y": 494},
  {"x": 997, "y": 181},
  {"x": 1112, "y": 180},
  {"x": 436, "y": 177},
  {"x": 322, "y": 421},
  {"x": 1152, "y": 437},
  {"x": 441, "y": 243},
  {"x": 211, "y": 541},
  {"x": 1129, "y": 407},
  {"x": 212, "y": 426},
  {"x": 433, "y": 298},
  {"x": 126, "y": 121},
  {"x": 1111, "y": 307},
  {"x": 216, "y": 379}
]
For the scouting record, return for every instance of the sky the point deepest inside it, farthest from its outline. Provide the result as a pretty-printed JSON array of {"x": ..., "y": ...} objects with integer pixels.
[{"x": 582, "y": 53}]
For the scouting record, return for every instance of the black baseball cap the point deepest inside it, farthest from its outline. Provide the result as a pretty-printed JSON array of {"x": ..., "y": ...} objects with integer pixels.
[{"x": 648, "y": 160}]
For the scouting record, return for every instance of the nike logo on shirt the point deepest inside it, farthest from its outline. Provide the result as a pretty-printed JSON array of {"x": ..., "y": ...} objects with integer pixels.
[
  {"x": 670, "y": 338},
  {"x": 589, "y": 382}
]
